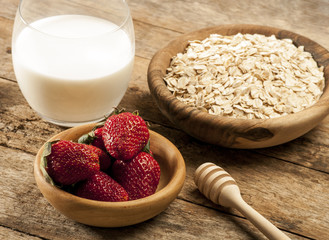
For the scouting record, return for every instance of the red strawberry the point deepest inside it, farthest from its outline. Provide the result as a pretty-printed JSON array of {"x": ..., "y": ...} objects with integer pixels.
[
  {"x": 104, "y": 158},
  {"x": 94, "y": 138},
  {"x": 98, "y": 141},
  {"x": 125, "y": 135},
  {"x": 139, "y": 177},
  {"x": 101, "y": 187},
  {"x": 68, "y": 162}
]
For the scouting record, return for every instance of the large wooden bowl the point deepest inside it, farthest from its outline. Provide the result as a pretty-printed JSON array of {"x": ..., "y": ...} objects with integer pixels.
[
  {"x": 118, "y": 214},
  {"x": 230, "y": 132}
]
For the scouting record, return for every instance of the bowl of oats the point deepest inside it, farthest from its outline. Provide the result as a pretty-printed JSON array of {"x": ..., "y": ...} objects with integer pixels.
[{"x": 242, "y": 86}]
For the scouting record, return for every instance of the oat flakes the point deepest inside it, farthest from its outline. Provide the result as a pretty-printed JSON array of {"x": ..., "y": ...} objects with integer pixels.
[{"x": 245, "y": 76}]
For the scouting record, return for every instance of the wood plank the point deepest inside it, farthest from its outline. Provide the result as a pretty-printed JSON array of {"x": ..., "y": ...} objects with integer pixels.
[
  {"x": 6, "y": 67},
  {"x": 185, "y": 16},
  {"x": 8, "y": 8},
  {"x": 310, "y": 150},
  {"x": 10, "y": 234},
  {"x": 22, "y": 198}
]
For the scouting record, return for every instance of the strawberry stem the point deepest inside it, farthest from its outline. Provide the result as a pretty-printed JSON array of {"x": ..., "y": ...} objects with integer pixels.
[
  {"x": 136, "y": 112},
  {"x": 118, "y": 111}
]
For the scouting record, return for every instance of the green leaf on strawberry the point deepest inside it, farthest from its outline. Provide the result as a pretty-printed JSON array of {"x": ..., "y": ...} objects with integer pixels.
[
  {"x": 43, "y": 163},
  {"x": 147, "y": 147},
  {"x": 88, "y": 138}
]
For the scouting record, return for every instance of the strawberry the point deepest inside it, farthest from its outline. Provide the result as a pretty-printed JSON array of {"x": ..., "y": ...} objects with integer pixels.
[
  {"x": 98, "y": 141},
  {"x": 101, "y": 187},
  {"x": 68, "y": 162},
  {"x": 94, "y": 138},
  {"x": 125, "y": 135},
  {"x": 104, "y": 158},
  {"x": 139, "y": 176}
]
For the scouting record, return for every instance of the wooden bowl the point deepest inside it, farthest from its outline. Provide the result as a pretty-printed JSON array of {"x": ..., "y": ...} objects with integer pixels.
[
  {"x": 230, "y": 132},
  {"x": 118, "y": 214}
]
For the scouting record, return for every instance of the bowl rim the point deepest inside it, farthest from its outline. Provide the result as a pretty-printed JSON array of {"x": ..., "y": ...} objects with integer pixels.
[
  {"x": 173, "y": 187},
  {"x": 161, "y": 93}
]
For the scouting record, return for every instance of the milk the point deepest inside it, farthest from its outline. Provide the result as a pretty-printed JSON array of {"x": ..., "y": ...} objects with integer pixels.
[{"x": 73, "y": 68}]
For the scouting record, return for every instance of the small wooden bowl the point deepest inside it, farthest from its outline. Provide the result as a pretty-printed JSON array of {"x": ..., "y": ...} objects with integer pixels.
[
  {"x": 230, "y": 132},
  {"x": 118, "y": 214}
]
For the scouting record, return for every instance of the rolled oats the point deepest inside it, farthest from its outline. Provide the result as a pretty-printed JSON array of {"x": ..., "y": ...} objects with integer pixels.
[{"x": 245, "y": 76}]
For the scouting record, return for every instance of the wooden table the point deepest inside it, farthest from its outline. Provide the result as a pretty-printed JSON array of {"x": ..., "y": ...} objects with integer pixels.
[{"x": 288, "y": 184}]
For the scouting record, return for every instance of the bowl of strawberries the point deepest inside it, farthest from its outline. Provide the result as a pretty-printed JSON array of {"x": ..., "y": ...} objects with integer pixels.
[{"x": 113, "y": 174}]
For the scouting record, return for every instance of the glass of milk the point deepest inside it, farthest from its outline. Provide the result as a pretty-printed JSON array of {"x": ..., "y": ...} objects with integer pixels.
[{"x": 73, "y": 59}]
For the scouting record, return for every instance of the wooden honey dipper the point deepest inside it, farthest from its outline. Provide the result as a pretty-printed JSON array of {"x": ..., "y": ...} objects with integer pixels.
[{"x": 218, "y": 186}]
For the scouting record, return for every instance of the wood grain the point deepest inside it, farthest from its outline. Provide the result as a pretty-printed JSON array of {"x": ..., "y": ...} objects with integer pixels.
[
  {"x": 291, "y": 179},
  {"x": 9, "y": 234}
]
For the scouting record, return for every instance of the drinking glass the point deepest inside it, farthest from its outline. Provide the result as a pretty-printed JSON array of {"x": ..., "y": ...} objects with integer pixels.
[{"x": 73, "y": 59}]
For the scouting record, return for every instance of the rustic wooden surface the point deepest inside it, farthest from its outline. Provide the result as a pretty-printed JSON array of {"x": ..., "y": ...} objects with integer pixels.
[{"x": 288, "y": 184}]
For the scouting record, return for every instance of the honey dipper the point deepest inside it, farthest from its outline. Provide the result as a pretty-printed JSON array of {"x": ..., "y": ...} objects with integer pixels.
[{"x": 218, "y": 186}]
